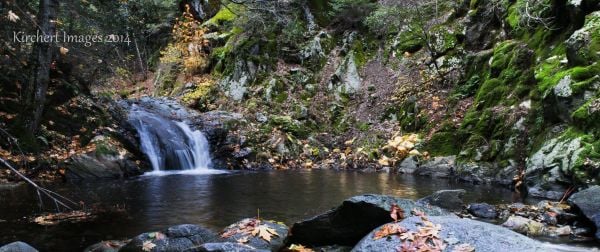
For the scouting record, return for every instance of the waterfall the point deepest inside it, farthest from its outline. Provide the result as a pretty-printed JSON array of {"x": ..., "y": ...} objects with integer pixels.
[{"x": 170, "y": 145}]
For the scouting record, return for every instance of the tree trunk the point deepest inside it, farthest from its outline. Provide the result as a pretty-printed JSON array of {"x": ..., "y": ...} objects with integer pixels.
[{"x": 42, "y": 58}]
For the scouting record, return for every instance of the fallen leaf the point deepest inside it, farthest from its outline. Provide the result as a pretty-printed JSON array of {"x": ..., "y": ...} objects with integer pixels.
[
  {"x": 388, "y": 230},
  {"x": 264, "y": 232},
  {"x": 299, "y": 248},
  {"x": 396, "y": 213},
  {"x": 148, "y": 246}
]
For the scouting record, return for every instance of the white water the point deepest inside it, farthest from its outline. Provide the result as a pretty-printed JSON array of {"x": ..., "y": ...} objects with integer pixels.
[{"x": 171, "y": 147}]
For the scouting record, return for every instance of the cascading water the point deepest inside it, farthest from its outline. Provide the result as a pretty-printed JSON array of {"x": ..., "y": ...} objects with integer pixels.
[{"x": 170, "y": 145}]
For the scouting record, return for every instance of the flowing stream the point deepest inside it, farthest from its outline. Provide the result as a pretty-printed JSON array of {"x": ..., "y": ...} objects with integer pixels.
[{"x": 170, "y": 145}]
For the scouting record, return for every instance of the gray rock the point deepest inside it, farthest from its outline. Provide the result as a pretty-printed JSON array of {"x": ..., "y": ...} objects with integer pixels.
[
  {"x": 551, "y": 167},
  {"x": 588, "y": 202},
  {"x": 261, "y": 118},
  {"x": 482, "y": 236},
  {"x": 483, "y": 28},
  {"x": 228, "y": 247},
  {"x": 277, "y": 241},
  {"x": 346, "y": 79},
  {"x": 216, "y": 124},
  {"x": 482, "y": 210},
  {"x": 236, "y": 84},
  {"x": 357, "y": 216},
  {"x": 442, "y": 167},
  {"x": 165, "y": 107},
  {"x": 105, "y": 246},
  {"x": 579, "y": 44},
  {"x": 185, "y": 237},
  {"x": 17, "y": 247},
  {"x": 409, "y": 165},
  {"x": 93, "y": 166},
  {"x": 447, "y": 199}
]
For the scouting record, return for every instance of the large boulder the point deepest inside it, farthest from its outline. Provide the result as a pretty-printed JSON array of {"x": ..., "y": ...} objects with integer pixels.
[
  {"x": 550, "y": 168},
  {"x": 447, "y": 199},
  {"x": 442, "y": 167},
  {"x": 92, "y": 166},
  {"x": 588, "y": 202},
  {"x": 454, "y": 232},
  {"x": 583, "y": 43},
  {"x": 185, "y": 237},
  {"x": 17, "y": 247},
  {"x": 349, "y": 222},
  {"x": 483, "y": 27},
  {"x": 228, "y": 247},
  {"x": 277, "y": 240}
]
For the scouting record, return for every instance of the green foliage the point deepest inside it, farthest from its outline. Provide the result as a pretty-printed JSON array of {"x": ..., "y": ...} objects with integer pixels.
[{"x": 224, "y": 16}]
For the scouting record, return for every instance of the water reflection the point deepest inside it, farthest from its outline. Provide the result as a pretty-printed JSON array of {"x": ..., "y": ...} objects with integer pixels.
[{"x": 212, "y": 200}]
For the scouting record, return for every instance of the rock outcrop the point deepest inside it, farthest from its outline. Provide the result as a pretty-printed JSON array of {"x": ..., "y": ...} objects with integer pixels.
[
  {"x": 455, "y": 231},
  {"x": 185, "y": 237},
  {"x": 588, "y": 202},
  {"x": 355, "y": 217}
]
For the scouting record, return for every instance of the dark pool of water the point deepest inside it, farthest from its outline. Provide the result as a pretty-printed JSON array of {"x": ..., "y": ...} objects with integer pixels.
[{"x": 156, "y": 202}]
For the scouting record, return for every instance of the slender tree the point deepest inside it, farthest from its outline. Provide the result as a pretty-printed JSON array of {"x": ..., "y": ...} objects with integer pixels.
[{"x": 42, "y": 59}]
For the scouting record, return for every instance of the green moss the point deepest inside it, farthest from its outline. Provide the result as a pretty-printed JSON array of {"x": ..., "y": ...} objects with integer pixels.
[
  {"x": 491, "y": 92},
  {"x": 588, "y": 116},
  {"x": 443, "y": 144},
  {"x": 408, "y": 41},
  {"x": 225, "y": 15},
  {"x": 104, "y": 148}
]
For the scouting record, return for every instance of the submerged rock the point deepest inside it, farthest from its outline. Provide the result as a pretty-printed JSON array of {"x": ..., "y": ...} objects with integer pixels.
[
  {"x": 455, "y": 231},
  {"x": 447, "y": 199},
  {"x": 17, "y": 247},
  {"x": 483, "y": 210},
  {"x": 185, "y": 237},
  {"x": 228, "y": 247},
  {"x": 349, "y": 222},
  {"x": 588, "y": 202},
  {"x": 105, "y": 246},
  {"x": 276, "y": 243}
]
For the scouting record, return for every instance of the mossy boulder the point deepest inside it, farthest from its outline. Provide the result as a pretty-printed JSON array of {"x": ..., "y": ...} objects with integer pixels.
[
  {"x": 571, "y": 158},
  {"x": 583, "y": 45}
]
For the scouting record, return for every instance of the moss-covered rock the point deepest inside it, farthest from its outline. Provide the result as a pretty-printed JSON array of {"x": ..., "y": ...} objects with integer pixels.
[{"x": 584, "y": 44}]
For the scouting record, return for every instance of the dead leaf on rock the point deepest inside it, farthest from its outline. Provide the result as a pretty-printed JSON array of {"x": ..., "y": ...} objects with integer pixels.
[
  {"x": 264, "y": 232},
  {"x": 148, "y": 246}
]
